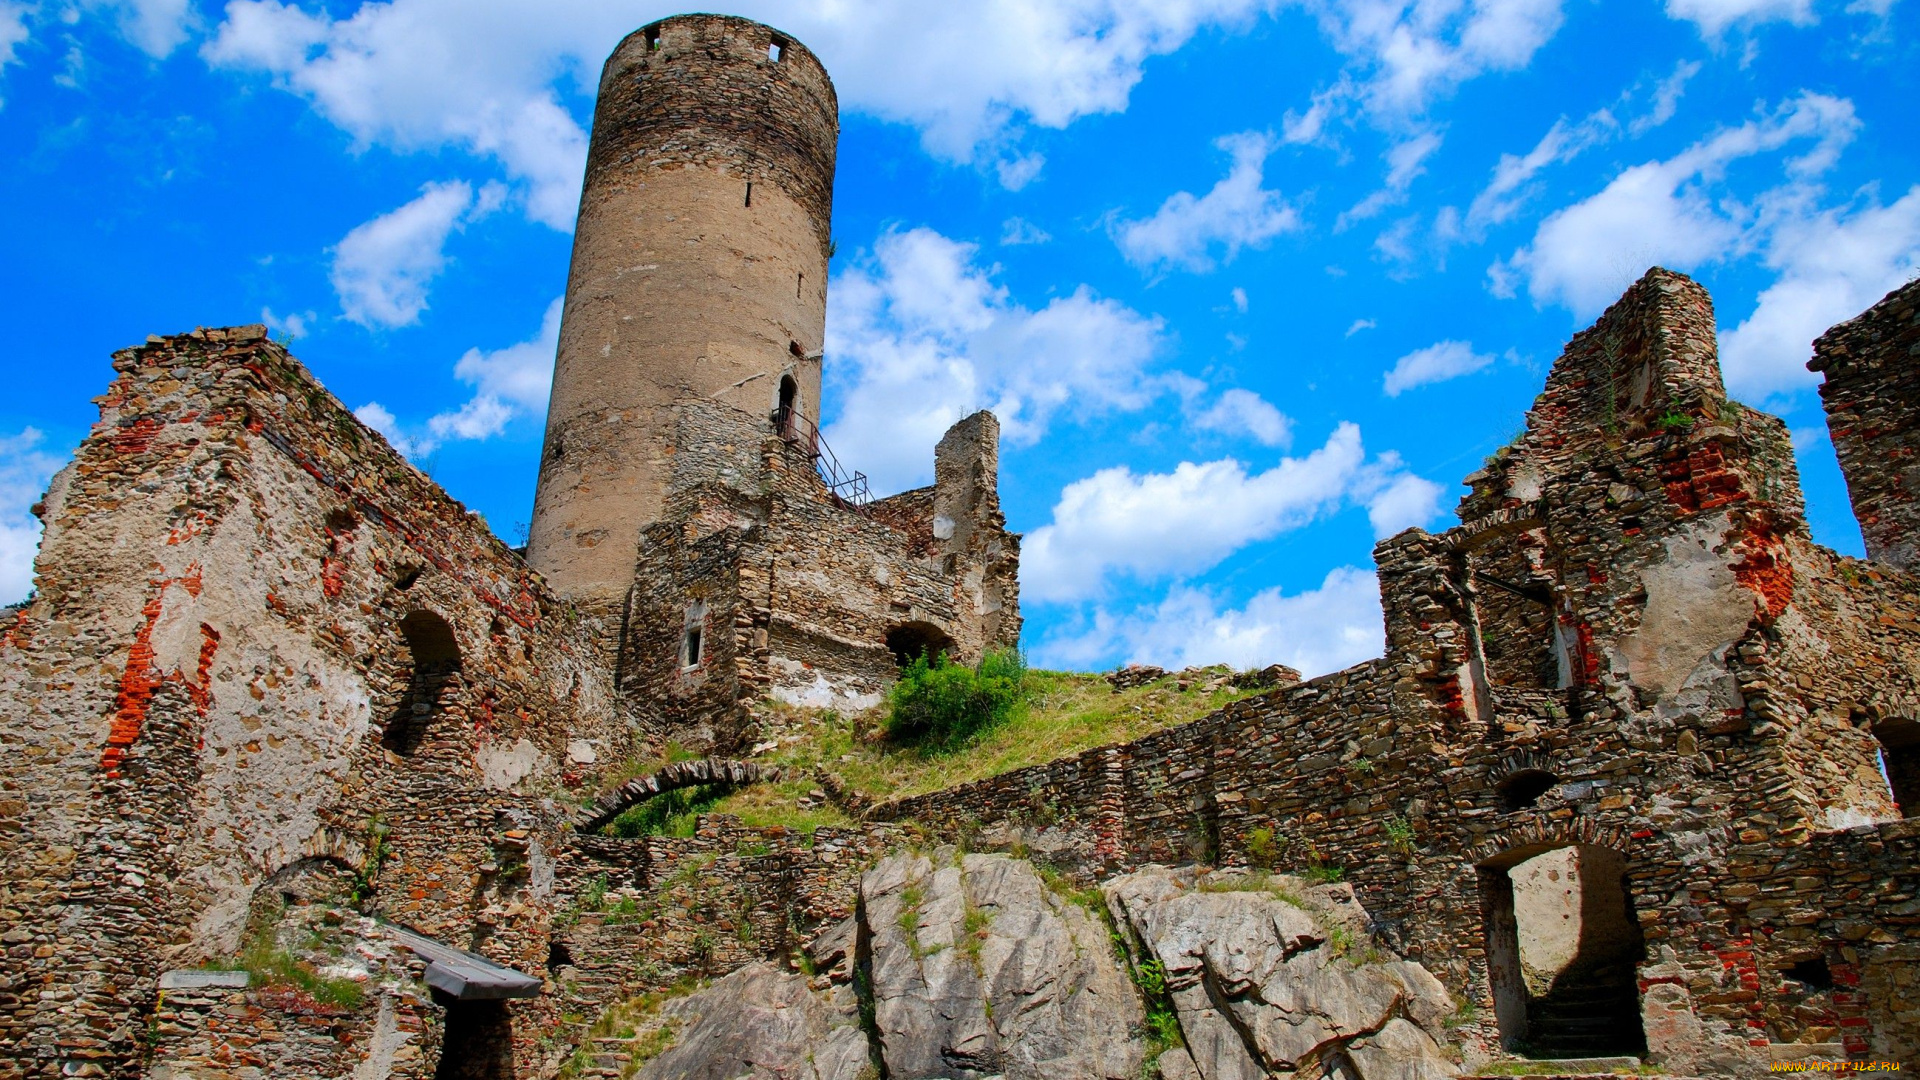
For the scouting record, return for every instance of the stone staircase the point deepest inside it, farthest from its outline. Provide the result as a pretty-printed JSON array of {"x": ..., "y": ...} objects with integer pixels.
[{"x": 1588, "y": 1014}]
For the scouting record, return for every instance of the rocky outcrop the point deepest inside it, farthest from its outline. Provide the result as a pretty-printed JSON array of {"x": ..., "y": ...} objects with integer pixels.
[
  {"x": 975, "y": 967},
  {"x": 979, "y": 969},
  {"x": 758, "y": 1022},
  {"x": 1273, "y": 975}
]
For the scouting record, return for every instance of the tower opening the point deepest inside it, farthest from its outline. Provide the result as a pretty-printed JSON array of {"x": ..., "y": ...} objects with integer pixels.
[
  {"x": 693, "y": 639},
  {"x": 777, "y": 49},
  {"x": 1899, "y": 740}
]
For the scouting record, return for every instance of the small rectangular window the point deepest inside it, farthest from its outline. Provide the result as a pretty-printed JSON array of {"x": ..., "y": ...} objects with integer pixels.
[
  {"x": 653, "y": 38},
  {"x": 777, "y": 50},
  {"x": 690, "y": 652},
  {"x": 749, "y": 193}
]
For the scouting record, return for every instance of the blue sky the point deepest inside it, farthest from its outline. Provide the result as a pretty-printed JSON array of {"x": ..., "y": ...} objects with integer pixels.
[{"x": 1250, "y": 283}]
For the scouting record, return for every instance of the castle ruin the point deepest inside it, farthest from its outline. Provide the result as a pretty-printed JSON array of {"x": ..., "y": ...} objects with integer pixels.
[{"x": 273, "y": 676}]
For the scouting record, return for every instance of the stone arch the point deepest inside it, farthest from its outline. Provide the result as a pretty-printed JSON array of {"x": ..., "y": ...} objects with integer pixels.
[
  {"x": 1523, "y": 777},
  {"x": 1563, "y": 943},
  {"x": 680, "y": 774},
  {"x": 433, "y": 666},
  {"x": 910, "y": 641}
]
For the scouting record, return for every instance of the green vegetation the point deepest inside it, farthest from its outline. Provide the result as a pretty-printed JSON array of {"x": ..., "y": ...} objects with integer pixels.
[
  {"x": 1063, "y": 713},
  {"x": 1263, "y": 848},
  {"x": 939, "y": 706},
  {"x": 268, "y": 964},
  {"x": 1251, "y": 882},
  {"x": 1163, "y": 1026},
  {"x": 1400, "y": 834},
  {"x": 670, "y": 813},
  {"x": 636, "y": 1021},
  {"x": 1058, "y": 714},
  {"x": 1674, "y": 419}
]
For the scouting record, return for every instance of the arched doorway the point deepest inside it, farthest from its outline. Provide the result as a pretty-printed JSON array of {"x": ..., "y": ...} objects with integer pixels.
[
  {"x": 911, "y": 641},
  {"x": 1563, "y": 951},
  {"x": 434, "y": 661},
  {"x": 478, "y": 1044}
]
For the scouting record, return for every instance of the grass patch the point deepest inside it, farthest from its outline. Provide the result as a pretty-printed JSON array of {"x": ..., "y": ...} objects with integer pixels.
[
  {"x": 1065, "y": 713},
  {"x": 670, "y": 813}
]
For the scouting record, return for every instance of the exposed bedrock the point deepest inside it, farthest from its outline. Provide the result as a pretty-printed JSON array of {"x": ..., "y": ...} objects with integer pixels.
[
  {"x": 970, "y": 967},
  {"x": 979, "y": 969},
  {"x": 1277, "y": 975}
]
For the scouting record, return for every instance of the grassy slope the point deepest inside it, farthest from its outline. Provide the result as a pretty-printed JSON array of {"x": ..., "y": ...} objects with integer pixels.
[{"x": 1067, "y": 712}]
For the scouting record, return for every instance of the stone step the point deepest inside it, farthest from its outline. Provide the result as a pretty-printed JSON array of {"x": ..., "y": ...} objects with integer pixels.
[{"x": 1560, "y": 1067}]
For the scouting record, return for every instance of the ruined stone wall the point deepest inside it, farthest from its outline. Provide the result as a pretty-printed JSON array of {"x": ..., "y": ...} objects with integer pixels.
[
  {"x": 1708, "y": 715},
  {"x": 233, "y": 584},
  {"x": 640, "y": 914},
  {"x": 1871, "y": 390},
  {"x": 699, "y": 273},
  {"x": 801, "y": 590}
]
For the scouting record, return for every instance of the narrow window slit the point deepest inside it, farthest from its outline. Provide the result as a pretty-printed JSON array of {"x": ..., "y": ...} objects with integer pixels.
[{"x": 749, "y": 193}]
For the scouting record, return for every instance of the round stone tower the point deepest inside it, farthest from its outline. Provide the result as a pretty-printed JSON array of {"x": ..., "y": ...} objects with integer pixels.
[{"x": 699, "y": 273}]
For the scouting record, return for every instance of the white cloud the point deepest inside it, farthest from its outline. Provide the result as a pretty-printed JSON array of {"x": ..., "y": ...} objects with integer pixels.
[
  {"x": 519, "y": 375},
  {"x": 1018, "y": 230},
  {"x": 1236, "y": 213},
  {"x": 292, "y": 326},
  {"x": 1714, "y": 16},
  {"x": 1508, "y": 190},
  {"x": 1412, "y": 52},
  {"x": 1359, "y": 325},
  {"x": 1318, "y": 631},
  {"x": 1239, "y": 296},
  {"x": 1436, "y": 363},
  {"x": 482, "y": 417},
  {"x": 1405, "y": 163},
  {"x": 1832, "y": 264},
  {"x": 1243, "y": 413},
  {"x": 25, "y": 469},
  {"x": 155, "y": 27},
  {"x": 13, "y": 30},
  {"x": 1151, "y": 526},
  {"x": 1017, "y": 172},
  {"x": 493, "y": 77},
  {"x": 382, "y": 268},
  {"x": 508, "y": 383},
  {"x": 1156, "y": 525},
  {"x": 918, "y": 336},
  {"x": 1404, "y": 502},
  {"x": 1667, "y": 212},
  {"x": 381, "y": 419},
  {"x": 1666, "y": 97}
]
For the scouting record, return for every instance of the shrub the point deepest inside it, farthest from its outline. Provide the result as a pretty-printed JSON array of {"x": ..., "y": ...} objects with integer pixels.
[{"x": 939, "y": 704}]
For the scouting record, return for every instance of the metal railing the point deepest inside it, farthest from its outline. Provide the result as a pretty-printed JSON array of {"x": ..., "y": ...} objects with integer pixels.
[{"x": 847, "y": 485}]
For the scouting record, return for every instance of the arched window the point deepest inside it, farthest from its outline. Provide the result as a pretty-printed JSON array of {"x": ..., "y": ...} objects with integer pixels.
[
  {"x": 1523, "y": 789},
  {"x": 434, "y": 660},
  {"x": 783, "y": 413}
]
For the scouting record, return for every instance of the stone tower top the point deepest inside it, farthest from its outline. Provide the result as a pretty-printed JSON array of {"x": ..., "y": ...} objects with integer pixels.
[
  {"x": 699, "y": 274},
  {"x": 724, "y": 92}
]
